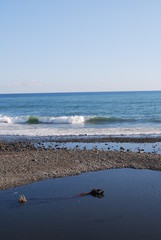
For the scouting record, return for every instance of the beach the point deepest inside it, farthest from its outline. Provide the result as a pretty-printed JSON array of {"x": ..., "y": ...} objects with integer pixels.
[
  {"x": 53, "y": 135},
  {"x": 23, "y": 163},
  {"x": 53, "y": 147},
  {"x": 80, "y": 120}
]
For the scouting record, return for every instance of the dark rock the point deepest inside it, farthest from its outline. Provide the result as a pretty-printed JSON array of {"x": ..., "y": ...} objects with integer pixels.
[
  {"x": 94, "y": 192},
  {"x": 121, "y": 148}
]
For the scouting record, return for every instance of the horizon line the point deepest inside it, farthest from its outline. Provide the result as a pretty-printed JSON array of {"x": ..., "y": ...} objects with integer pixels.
[{"x": 113, "y": 91}]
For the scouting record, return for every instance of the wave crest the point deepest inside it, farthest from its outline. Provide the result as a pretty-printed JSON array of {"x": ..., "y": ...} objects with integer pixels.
[
  {"x": 33, "y": 120},
  {"x": 5, "y": 119},
  {"x": 104, "y": 120},
  {"x": 72, "y": 120},
  {"x": 56, "y": 120}
]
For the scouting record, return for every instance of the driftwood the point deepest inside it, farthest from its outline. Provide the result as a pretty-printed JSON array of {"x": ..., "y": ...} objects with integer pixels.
[
  {"x": 99, "y": 193},
  {"x": 22, "y": 199},
  {"x": 94, "y": 192}
]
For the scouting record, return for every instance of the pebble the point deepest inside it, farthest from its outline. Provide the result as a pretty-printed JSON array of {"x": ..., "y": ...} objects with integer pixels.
[{"x": 17, "y": 162}]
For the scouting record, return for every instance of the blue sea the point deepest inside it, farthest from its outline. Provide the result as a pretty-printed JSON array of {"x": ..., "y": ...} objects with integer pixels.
[{"x": 81, "y": 114}]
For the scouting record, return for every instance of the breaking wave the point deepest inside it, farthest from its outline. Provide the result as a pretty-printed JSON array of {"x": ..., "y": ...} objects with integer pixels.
[
  {"x": 33, "y": 120},
  {"x": 43, "y": 120},
  {"x": 102, "y": 120},
  {"x": 72, "y": 120}
]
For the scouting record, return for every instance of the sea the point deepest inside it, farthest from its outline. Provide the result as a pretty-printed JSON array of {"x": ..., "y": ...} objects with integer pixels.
[{"x": 136, "y": 114}]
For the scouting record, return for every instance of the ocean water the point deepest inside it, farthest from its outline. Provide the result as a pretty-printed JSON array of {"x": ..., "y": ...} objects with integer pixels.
[{"x": 78, "y": 114}]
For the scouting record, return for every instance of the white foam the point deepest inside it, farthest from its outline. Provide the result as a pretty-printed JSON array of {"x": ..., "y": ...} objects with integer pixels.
[
  {"x": 5, "y": 119},
  {"x": 75, "y": 127},
  {"x": 63, "y": 120},
  {"x": 52, "y": 120},
  {"x": 49, "y": 130}
]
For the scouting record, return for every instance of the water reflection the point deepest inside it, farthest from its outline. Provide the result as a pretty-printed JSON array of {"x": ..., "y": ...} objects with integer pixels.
[
  {"x": 105, "y": 146},
  {"x": 131, "y": 207}
]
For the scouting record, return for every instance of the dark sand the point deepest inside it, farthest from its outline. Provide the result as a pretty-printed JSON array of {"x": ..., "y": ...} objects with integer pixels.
[{"x": 21, "y": 163}]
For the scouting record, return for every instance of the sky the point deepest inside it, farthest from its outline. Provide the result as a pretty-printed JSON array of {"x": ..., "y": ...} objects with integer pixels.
[{"x": 80, "y": 45}]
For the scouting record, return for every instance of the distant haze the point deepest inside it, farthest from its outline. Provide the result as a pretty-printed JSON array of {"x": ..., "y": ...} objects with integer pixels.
[{"x": 76, "y": 46}]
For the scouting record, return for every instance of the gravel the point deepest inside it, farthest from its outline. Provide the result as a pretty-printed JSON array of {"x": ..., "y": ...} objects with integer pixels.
[{"x": 21, "y": 163}]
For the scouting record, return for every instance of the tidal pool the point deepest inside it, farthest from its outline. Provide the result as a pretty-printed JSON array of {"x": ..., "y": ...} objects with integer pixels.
[{"x": 130, "y": 209}]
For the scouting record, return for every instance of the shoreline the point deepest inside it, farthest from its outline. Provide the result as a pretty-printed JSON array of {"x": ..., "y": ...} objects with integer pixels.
[
  {"x": 115, "y": 139},
  {"x": 21, "y": 163},
  {"x": 81, "y": 138}
]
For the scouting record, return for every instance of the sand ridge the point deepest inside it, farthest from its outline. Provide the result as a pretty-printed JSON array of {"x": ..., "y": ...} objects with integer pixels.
[{"x": 21, "y": 163}]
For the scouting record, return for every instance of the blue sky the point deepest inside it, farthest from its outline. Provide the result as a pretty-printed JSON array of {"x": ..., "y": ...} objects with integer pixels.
[{"x": 80, "y": 45}]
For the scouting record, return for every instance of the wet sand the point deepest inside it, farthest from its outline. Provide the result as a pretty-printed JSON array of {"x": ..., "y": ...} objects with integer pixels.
[
  {"x": 21, "y": 163},
  {"x": 110, "y": 139}
]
